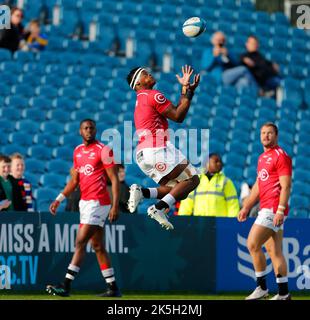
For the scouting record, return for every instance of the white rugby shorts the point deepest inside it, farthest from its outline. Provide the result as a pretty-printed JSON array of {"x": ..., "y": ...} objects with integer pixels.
[
  {"x": 156, "y": 163},
  {"x": 91, "y": 212},
  {"x": 265, "y": 219}
]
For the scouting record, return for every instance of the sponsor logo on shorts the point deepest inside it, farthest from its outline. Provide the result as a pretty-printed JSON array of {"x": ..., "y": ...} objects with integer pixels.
[
  {"x": 160, "y": 98},
  {"x": 160, "y": 166},
  {"x": 263, "y": 175},
  {"x": 87, "y": 170}
]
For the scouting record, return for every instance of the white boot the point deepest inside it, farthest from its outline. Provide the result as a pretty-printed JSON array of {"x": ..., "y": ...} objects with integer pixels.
[
  {"x": 257, "y": 294},
  {"x": 278, "y": 297},
  {"x": 135, "y": 197},
  {"x": 160, "y": 217}
]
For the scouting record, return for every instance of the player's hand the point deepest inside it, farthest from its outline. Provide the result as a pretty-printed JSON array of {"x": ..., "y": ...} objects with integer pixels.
[
  {"x": 187, "y": 71},
  {"x": 4, "y": 204},
  {"x": 53, "y": 207},
  {"x": 113, "y": 214},
  {"x": 195, "y": 83},
  {"x": 243, "y": 214},
  {"x": 278, "y": 220}
]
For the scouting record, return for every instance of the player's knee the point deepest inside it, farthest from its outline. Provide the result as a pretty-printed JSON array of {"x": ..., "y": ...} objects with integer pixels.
[
  {"x": 252, "y": 246},
  {"x": 80, "y": 244},
  {"x": 97, "y": 246}
]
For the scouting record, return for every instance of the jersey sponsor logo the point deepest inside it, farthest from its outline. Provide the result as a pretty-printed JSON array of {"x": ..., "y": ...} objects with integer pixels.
[
  {"x": 263, "y": 175},
  {"x": 160, "y": 98},
  {"x": 160, "y": 166},
  {"x": 87, "y": 170}
]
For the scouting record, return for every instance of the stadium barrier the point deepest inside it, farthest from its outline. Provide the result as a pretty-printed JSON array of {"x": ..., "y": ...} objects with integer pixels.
[{"x": 201, "y": 255}]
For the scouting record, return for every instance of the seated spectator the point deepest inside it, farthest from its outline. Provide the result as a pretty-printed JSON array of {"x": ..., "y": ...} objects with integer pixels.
[
  {"x": 34, "y": 40},
  {"x": 124, "y": 189},
  {"x": 218, "y": 62},
  {"x": 265, "y": 72},
  {"x": 10, "y": 38},
  {"x": 9, "y": 187},
  {"x": 215, "y": 196},
  {"x": 245, "y": 192},
  {"x": 17, "y": 171}
]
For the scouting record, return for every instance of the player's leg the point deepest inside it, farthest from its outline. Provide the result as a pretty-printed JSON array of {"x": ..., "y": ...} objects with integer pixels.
[
  {"x": 274, "y": 249},
  {"x": 138, "y": 193},
  {"x": 104, "y": 264},
  {"x": 183, "y": 179},
  {"x": 257, "y": 237},
  {"x": 84, "y": 234}
]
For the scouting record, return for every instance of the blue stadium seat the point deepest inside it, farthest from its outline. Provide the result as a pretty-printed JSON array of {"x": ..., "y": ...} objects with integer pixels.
[
  {"x": 286, "y": 138},
  {"x": 3, "y": 139},
  {"x": 44, "y": 197},
  {"x": 80, "y": 115},
  {"x": 46, "y": 139},
  {"x": 221, "y": 111},
  {"x": 95, "y": 94},
  {"x": 16, "y": 101},
  {"x": 241, "y": 148},
  {"x": 303, "y": 125},
  {"x": 301, "y": 188},
  {"x": 34, "y": 166},
  {"x": 5, "y": 55},
  {"x": 28, "y": 126},
  {"x": 220, "y": 123},
  {"x": 217, "y": 147},
  {"x": 59, "y": 167},
  {"x": 234, "y": 173},
  {"x": 300, "y": 174},
  {"x": 72, "y": 127},
  {"x": 286, "y": 125},
  {"x": 58, "y": 115},
  {"x": 70, "y": 92},
  {"x": 250, "y": 174},
  {"x": 23, "y": 56},
  {"x": 20, "y": 138},
  {"x": 63, "y": 153},
  {"x": 5, "y": 89},
  {"x": 242, "y": 124},
  {"x": 52, "y": 180},
  {"x": 8, "y": 78},
  {"x": 47, "y": 91},
  {"x": 53, "y": 80},
  {"x": 70, "y": 140},
  {"x": 64, "y": 103},
  {"x": 12, "y": 66},
  {"x": 279, "y": 18},
  {"x": 33, "y": 179},
  {"x": 12, "y": 148},
  {"x": 40, "y": 103},
  {"x": 301, "y": 161},
  {"x": 75, "y": 81},
  {"x": 90, "y": 105},
  {"x": 34, "y": 114},
  {"x": 266, "y": 113},
  {"x": 52, "y": 127},
  {"x": 239, "y": 135},
  {"x": 10, "y": 113},
  {"x": 233, "y": 157},
  {"x": 40, "y": 152}
]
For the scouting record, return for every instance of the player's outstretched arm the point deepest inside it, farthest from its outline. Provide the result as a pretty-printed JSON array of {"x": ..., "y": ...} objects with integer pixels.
[
  {"x": 69, "y": 188},
  {"x": 178, "y": 113},
  {"x": 249, "y": 203},
  {"x": 112, "y": 173}
]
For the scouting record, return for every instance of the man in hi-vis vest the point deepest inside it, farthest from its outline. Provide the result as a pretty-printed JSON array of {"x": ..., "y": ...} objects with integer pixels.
[{"x": 215, "y": 196}]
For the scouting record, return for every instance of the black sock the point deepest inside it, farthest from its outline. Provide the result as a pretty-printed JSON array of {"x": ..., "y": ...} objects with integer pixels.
[
  {"x": 146, "y": 193},
  {"x": 261, "y": 282},
  {"x": 70, "y": 275},
  {"x": 282, "y": 286},
  {"x": 161, "y": 205},
  {"x": 113, "y": 286}
]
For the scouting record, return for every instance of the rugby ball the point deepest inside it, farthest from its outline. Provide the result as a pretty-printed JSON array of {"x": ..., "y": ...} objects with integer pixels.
[{"x": 194, "y": 26}]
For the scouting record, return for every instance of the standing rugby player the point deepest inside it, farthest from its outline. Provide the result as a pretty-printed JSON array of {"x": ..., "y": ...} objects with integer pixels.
[
  {"x": 272, "y": 189},
  {"x": 156, "y": 155},
  {"x": 92, "y": 160}
]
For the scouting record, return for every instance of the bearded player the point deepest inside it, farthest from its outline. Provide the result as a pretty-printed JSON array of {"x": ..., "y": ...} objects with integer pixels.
[
  {"x": 272, "y": 189},
  {"x": 156, "y": 155},
  {"x": 92, "y": 160}
]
